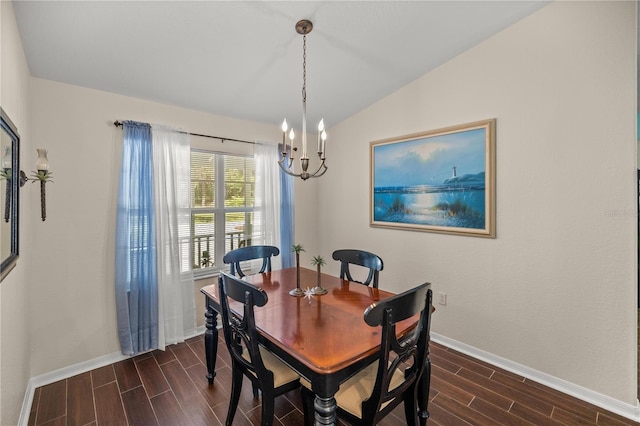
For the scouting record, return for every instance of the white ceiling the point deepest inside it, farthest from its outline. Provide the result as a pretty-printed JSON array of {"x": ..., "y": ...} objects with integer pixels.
[{"x": 244, "y": 59}]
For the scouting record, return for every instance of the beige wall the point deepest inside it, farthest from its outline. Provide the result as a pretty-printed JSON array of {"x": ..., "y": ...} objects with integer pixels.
[
  {"x": 15, "y": 288},
  {"x": 556, "y": 291}
]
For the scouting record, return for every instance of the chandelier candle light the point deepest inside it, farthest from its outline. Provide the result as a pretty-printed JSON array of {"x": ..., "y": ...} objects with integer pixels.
[{"x": 303, "y": 27}]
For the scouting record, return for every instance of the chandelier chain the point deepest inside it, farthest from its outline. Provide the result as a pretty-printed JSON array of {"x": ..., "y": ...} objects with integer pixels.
[{"x": 304, "y": 69}]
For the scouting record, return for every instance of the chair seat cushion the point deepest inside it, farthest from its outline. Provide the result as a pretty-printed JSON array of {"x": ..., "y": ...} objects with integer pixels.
[
  {"x": 282, "y": 373},
  {"x": 359, "y": 388}
]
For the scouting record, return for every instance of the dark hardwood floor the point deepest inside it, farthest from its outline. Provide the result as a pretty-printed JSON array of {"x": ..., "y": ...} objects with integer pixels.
[{"x": 169, "y": 388}]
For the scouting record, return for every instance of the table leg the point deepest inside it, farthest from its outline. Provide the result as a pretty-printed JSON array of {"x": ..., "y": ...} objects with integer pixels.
[
  {"x": 211, "y": 340},
  {"x": 423, "y": 392},
  {"x": 325, "y": 410}
]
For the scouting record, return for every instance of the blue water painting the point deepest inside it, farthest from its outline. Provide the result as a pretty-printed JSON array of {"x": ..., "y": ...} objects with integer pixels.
[{"x": 435, "y": 181}]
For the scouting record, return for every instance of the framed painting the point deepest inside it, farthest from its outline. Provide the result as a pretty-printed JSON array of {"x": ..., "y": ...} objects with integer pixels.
[{"x": 437, "y": 181}]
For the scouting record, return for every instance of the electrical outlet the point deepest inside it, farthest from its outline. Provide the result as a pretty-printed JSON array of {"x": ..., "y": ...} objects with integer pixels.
[{"x": 443, "y": 298}]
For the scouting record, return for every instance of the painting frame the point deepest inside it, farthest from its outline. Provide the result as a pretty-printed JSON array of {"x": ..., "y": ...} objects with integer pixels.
[{"x": 409, "y": 188}]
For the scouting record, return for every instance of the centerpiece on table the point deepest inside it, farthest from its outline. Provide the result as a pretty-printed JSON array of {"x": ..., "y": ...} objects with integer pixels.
[
  {"x": 297, "y": 292},
  {"x": 319, "y": 262}
]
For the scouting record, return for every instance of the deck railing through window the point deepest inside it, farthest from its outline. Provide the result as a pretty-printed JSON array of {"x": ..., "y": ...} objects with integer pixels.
[{"x": 204, "y": 247}]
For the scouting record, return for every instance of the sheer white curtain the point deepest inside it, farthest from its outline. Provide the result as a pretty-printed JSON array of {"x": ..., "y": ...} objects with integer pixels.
[
  {"x": 268, "y": 197},
  {"x": 172, "y": 174}
]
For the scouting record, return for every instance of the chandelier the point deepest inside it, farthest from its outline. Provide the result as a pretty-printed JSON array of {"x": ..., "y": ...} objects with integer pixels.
[{"x": 303, "y": 27}]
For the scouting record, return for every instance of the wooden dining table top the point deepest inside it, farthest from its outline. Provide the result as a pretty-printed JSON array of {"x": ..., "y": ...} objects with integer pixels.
[{"x": 326, "y": 333}]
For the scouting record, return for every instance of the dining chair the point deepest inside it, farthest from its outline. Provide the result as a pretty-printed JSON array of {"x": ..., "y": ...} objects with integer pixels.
[
  {"x": 266, "y": 371},
  {"x": 361, "y": 258},
  {"x": 234, "y": 257},
  {"x": 397, "y": 374}
]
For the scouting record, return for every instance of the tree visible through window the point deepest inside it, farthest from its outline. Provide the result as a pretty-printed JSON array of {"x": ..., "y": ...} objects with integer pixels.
[{"x": 222, "y": 206}]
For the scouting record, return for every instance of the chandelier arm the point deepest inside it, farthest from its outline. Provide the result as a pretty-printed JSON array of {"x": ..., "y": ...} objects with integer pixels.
[
  {"x": 321, "y": 170},
  {"x": 286, "y": 170},
  {"x": 322, "y": 167},
  {"x": 282, "y": 160}
]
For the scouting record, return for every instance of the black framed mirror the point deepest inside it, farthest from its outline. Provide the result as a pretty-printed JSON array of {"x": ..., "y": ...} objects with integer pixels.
[{"x": 9, "y": 193}]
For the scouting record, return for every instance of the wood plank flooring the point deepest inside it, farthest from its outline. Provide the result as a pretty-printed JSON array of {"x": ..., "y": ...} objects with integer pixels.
[{"x": 170, "y": 388}]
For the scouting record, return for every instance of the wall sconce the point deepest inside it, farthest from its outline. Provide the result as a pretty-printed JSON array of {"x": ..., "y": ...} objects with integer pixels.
[{"x": 43, "y": 175}]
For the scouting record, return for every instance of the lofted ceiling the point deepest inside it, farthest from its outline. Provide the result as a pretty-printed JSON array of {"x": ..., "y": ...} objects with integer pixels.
[{"x": 243, "y": 59}]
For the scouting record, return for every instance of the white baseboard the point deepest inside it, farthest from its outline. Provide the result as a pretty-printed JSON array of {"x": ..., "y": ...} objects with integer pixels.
[
  {"x": 70, "y": 371},
  {"x": 61, "y": 374},
  {"x": 615, "y": 406},
  {"x": 610, "y": 404}
]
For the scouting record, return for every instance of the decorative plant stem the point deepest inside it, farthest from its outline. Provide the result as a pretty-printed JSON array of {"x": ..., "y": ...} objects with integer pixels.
[
  {"x": 43, "y": 200},
  {"x": 319, "y": 262},
  {"x": 297, "y": 248},
  {"x": 43, "y": 176},
  {"x": 7, "y": 200}
]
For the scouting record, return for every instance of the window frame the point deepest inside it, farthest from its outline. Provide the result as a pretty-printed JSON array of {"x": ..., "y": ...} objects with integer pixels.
[{"x": 219, "y": 212}]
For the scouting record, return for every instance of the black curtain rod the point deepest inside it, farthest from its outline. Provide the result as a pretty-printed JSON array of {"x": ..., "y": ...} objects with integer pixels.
[{"x": 119, "y": 124}]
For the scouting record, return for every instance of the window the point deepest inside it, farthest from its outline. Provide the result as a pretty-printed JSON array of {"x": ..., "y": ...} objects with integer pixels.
[{"x": 223, "y": 213}]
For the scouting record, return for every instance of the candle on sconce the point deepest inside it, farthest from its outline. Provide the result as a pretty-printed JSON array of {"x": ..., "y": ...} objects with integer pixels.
[
  {"x": 291, "y": 137},
  {"x": 320, "y": 130},
  {"x": 324, "y": 138},
  {"x": 284, "y": 135}
]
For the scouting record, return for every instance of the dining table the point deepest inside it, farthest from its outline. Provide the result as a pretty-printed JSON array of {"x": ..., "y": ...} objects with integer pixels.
[{"x": 322, "y": 337}]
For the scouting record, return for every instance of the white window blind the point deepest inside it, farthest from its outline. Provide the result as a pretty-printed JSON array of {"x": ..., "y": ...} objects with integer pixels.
[{"x": 222, "y": 207}]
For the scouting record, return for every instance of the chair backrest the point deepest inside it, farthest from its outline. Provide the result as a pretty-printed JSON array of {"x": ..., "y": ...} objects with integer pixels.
[
  {"x": 409, "y": 351},
  {"x": 234, "y": 257},
  {"x": 362, "y": 258},
  {"x": 240, "y": 334}
]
